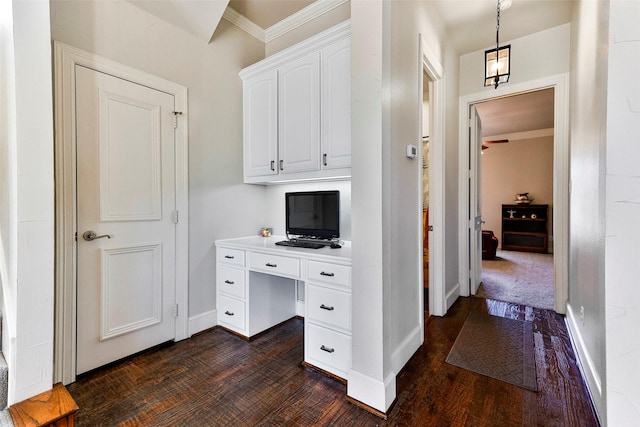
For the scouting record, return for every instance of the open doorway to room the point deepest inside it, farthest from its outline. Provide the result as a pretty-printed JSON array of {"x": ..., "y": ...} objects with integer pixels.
[
  {"x": 425, "y": 190},
  {"x": 517, "y": 191}
]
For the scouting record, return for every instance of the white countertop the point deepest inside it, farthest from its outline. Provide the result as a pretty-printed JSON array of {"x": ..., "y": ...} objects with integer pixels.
[{"x": 268, "y": 244}]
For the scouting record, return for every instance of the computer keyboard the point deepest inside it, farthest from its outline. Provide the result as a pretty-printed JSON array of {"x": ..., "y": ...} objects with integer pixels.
[{"x": 308, "y": 245}]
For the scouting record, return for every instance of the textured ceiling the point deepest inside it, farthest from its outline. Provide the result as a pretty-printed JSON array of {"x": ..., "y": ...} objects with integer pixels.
[{"x": 520, "y": 113}]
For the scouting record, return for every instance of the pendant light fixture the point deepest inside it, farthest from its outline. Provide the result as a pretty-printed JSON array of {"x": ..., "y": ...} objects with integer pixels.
[{"x": 497, "y": 62}]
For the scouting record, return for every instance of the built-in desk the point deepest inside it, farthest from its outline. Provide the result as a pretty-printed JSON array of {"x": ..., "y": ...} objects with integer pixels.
[{"x": 256, "y": 290}]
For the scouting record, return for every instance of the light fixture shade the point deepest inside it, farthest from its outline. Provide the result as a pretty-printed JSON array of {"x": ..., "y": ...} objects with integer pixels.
[{"x": 499, "y": 64}]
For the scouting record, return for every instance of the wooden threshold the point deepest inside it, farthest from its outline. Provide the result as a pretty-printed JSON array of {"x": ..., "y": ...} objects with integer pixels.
[{"x": 55, "y": 407}]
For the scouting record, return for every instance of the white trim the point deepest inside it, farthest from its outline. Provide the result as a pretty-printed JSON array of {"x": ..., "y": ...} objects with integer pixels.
[
  {"x": 437, "y": 262},
  {"x": 203, "y": 321},
  {"x": 560, "y": 83},
  {"x": 244, "y": 23},
  {"x": 376, "y": 394},
  {"x": 452, "y": 295},
  {"x": 585, "y": 361},
  {"x": 406, "y": 349},
  {"x": 65, "y": 59},
  {"x": 314, "y": 10}
]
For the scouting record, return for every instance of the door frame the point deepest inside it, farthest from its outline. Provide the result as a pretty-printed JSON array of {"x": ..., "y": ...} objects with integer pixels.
[
  {"x": 65, "y": 59},
  {"x": 560, "y": 83},
  {"x": 430, "y": 66}
]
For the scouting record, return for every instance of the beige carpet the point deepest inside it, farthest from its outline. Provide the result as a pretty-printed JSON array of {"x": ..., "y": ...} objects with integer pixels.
[
  {"x": 519, "y": 277},
  {"x": 498, "y": 348}
]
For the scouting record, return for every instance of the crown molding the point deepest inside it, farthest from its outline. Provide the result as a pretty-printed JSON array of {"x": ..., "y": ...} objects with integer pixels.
[
  {"x": 300, "y": 18},
  {"x": 515, "y": 136},
  {"x": 313, "y": 44},
  {"x": 244, "y": 23}
]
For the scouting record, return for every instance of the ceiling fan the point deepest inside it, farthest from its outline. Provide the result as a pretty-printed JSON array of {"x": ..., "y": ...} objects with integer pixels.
[{"x": 496, "y": 141}]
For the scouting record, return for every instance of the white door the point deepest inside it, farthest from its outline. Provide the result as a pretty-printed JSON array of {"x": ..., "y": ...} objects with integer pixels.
[
  {"x": 126, "y": 282},
  {"x": 299, "y": 114},
  {"x": 475, "y": 215}
]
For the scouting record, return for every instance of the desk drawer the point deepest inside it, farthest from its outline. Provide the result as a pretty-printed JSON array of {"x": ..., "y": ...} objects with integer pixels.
[
  {"x": 329, "y": 347},
  {"x": 275, "y": 264},
  {"x": 329, "y": 306},
  {"x": 329, "y": 273},
  {"x": 231, "y": 256},
  {"x": 231, "y": 280},
  {"x": 231, "y": 312}
]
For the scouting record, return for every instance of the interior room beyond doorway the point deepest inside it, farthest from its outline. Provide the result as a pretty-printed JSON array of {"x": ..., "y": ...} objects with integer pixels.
[{"x": 517, "y": 198}]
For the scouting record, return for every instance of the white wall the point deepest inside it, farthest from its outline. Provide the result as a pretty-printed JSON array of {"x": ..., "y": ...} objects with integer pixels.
[
  {"x": 517, "y": 167},
  {"x": 386, "y": 97},
  {"x": 534, "y": 56},
  {"x": 27, "y": 198},
  {"x": 221, "y": 206},
  {"x": 622, "y": 293},
  {"x": 589, "y": 30}
]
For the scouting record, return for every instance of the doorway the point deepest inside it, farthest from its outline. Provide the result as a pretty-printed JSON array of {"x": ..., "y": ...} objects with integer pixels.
[
  {"x": 559, "y": 214},
  {"x": 426, "y": 120},
  {"x": 517, "y": 198}
]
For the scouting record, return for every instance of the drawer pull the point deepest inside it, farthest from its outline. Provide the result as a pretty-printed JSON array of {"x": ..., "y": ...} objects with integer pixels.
[
  {"x": 271, "y": 265},
  {"x": 324, "y": 307},
  {"x": 327, "y": 349},
  {"x": 322, "y": 273},
  {"x": 229, "y": 257},
  {"x": 229, "y": 282},
  {"x": 229, "y": 313}
]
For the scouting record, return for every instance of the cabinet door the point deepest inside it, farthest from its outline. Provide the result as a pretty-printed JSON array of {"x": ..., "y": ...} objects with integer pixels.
[
  {"x": 299, "y": 115},
  {"x": 260, "y": 127},
  {"x": 336, "y": 105}
]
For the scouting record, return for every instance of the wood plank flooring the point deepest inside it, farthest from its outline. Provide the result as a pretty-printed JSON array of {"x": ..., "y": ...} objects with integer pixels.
[{"x": 218, "y": 379}]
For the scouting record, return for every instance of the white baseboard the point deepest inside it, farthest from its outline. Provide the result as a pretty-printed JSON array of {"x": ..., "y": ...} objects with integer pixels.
[
  {"x": 406, "y": 349},
  {"x": 203, "y": 321},
  {"x": 376, "y": 394},
  {"x": 585, "y": 362},
  {"x": 452, "y": 295},
  {"x": 300, "y": 308}
]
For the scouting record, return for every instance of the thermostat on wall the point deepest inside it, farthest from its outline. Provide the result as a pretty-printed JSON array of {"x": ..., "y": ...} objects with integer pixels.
[{"x": 412, "y": 151}]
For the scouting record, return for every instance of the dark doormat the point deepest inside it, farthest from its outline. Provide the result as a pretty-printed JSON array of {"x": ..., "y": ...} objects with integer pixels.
[{"x": 498, "y": 348}]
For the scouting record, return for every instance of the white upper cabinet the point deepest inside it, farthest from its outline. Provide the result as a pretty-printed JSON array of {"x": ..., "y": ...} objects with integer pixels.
[
  {"x": 299, "y": 114},
  {"x": 260, "y": 124},
  {"x": 336, "y": 105},
  {"x": 297, "y": 111}
]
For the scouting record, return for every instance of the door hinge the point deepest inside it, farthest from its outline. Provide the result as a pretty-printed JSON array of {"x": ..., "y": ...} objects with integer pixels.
[
  {"x": 175, "y": 118},
  {"x": 175, "y": 310},
  {"x": 175, "y": 217}
]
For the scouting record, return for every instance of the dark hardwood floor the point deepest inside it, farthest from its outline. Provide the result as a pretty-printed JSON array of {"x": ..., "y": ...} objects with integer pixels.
[{"x": 216, "y": 378}]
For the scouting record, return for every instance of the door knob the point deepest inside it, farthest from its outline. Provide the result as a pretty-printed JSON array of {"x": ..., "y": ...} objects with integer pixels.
[{"x": 91, "y": 235}]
